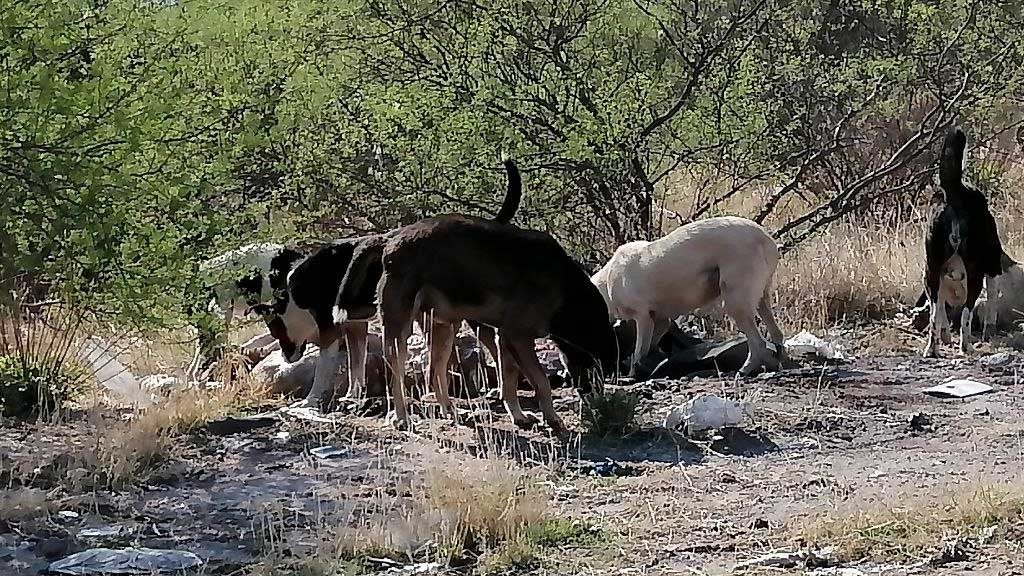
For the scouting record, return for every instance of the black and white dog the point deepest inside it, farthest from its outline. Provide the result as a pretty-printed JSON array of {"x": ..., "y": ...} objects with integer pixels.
[
  {"x": 301, "y": 314},
  {"x": 304, "y": 313},
  {"x": 237, "y": 280},
  {"x": 962, "y": 248}
]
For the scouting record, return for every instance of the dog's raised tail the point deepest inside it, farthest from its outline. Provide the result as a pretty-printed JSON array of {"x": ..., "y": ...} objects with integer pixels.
[
  {"x": 951, "y": 164},
  {"x": 513, "y": 194}
]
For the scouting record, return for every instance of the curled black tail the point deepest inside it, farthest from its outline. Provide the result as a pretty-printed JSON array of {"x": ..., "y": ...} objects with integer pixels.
[
  {"x": 951, "y": 165},
  {"x": 357, "y": 293},
  {"x": 513, "y": 194}
]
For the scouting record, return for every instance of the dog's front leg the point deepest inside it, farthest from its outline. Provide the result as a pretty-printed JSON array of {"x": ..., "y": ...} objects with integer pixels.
[
  {"x": 931, "y": 347},
  {"x": 323, "y": 376},
  {"x": 355, "y": 340},
  {"x": 508, "y": 370},
  {"x": 395, "y": 354},
  {"x": 966, "y": 318}
]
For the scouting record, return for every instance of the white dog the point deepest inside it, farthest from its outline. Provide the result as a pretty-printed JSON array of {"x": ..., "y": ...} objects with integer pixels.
[{"x": 729, "y": 259}]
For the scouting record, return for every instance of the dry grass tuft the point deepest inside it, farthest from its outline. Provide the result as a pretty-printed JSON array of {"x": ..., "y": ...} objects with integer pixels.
[
  {"x": 125, "y": 452},
  {"x": 460, "y": 509},
  {"x": 910, "y": 526},
  {"x": 860, "y": 267}
]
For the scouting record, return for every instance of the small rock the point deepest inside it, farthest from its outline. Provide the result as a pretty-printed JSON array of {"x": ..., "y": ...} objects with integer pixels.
[
  {"x": 126, "y": 561},
  {"x": 760, "y": 524},
  {"x": 51, "y": 548},
  {"x": 921, "y": 422},
  {"x": 68, "y": 515},
  {"x": 996, "y": 360}
]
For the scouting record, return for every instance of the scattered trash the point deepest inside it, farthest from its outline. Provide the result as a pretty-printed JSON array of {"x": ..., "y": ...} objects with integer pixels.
[
  {"x": 835, "y": 571},
  {"x": 68, "y": 514},
  {"x": 125, "y": 561},
  {"x": 707, "y": 411},
  {"x": 162, "y": 384},
  {"x": 958, "y": 389},
  {"x": 954, "y": 551},
  {"x": 413, "y": 569},
  {"x": 325, "y": 452},
  {"x": 102, "y": 532},
  {"x": 806, "y": 345},
  {"x": 610, "y": 469},
  {"x": 231, "y": 425},
  {"x": 112, "y": 374},
  {"x": 996, "y": 360},
  {"x": 803, "y": 558},
  {"x": 869, "y": 569},
  {"x": 921, "y": 422},
  {"x": 307, "y": 413},
  {"x": 282, "y": 436}
]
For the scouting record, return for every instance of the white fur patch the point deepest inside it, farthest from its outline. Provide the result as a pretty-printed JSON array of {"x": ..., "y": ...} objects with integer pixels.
[
  {"x": 339, "y": 314},
  {"x": 227, "y": 268}
]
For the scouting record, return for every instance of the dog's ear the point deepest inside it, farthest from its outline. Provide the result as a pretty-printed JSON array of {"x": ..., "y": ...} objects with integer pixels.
[{"x": 261, "y": 309}]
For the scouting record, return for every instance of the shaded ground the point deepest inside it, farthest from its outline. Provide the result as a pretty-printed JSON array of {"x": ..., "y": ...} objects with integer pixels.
[{"x": 823, "y": 438}]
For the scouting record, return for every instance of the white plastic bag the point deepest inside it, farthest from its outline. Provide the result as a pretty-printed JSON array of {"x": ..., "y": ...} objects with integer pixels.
[{"x": 706, "y": 412}]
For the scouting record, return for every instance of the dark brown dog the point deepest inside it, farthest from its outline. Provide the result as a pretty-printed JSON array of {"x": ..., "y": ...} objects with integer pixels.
[{"x": 520, "y": 282}]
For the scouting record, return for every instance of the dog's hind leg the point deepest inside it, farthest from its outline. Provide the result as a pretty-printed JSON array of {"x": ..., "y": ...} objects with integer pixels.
[
  {"x": 397, "y": 314},
  {"x": 356, "y": 334},
  {"x": 441, "y": 340},
  {"x": 757, "y": 355},
  {"x": 764, "y": 310},
  {"x": 323, "y": 374},
  {"x": 740, "y": 295},
  {"x": 644, "y": 332}
]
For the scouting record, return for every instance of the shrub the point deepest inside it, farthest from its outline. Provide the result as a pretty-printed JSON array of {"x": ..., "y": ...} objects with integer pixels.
[
  {"x": 609, "y": 414},
  {"x": 33, "y": 387}
]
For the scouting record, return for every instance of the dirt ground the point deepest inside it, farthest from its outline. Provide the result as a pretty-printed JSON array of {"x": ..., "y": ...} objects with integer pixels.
[{"x": 832, "y": 438}]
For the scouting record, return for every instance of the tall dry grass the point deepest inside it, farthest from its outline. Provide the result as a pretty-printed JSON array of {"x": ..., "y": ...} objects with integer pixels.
[
  {"x": 903, "y": 526},
  {"x": 859, "y": 268}
]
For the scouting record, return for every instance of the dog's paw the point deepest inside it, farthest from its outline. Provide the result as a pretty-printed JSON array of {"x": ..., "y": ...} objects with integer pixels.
[
  {"x": 930, "y": 351},
  {"x": 748, "y": 369},
  {"x": 526, "y": 422},
  {"x": 307, "y": 402},
  {"x": 400, "y": 423},
  {"x": 558, "y": 429},
  {"x": 967, "y": 349}
]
